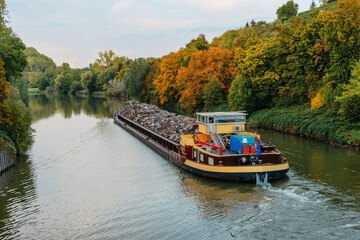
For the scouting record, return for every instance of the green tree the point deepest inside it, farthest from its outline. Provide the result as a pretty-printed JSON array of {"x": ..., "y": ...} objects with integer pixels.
[
  {"x": 287, "y": 11},
  {"x": 226, "y": 40},
  {"x": 243, "y": 95},
  {"x": 135, "y": 77},
  {"x": 213, "y": 94},
  {"x": 63, "y": 69},
  {"x": 42, "y": 82},
  {"x": 108, "y": 66},
  {"x": 63, "y": 83},
  {"x": 312, "y": 5},
  {"x": 75, "y": 86},
  {"x": 22, "y": 86},
  {"x": 199, "y": 43},
  {"x": 350, "y": 98},
  {"x": 12, "y": 53},
  {"x": 87, "y": 81}
]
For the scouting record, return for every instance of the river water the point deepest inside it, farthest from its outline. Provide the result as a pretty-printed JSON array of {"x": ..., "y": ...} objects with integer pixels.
[{"x": 86, "y": 178}]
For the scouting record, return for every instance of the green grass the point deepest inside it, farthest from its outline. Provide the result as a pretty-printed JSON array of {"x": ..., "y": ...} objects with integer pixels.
[
  {"x": 308, "y": 123},
  {"x": 35, "y": 91},
  {"x": 308, "y": 14}
]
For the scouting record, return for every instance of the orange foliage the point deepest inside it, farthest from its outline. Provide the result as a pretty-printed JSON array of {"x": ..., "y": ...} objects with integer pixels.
[
  {"x": 204, "y": 64},
  {"x": 4, "y": 85},
  {"x": 149, "y": 79},
  {"x": 165, "y": 84},
  {"x": 4, "y": 93}
]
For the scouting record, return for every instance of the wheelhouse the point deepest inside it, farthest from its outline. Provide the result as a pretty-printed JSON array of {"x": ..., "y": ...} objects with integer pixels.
[{"x": 221, "y": 122}]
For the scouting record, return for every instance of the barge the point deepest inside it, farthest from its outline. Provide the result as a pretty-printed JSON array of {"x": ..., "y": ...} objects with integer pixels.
[{"x": 220, "y": 148}]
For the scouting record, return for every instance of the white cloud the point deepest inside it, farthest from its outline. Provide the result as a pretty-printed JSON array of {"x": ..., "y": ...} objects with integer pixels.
[
  {"x": 143, "y": 24},
  {"x": 117, "y": 7},
  {"x": 214, "y": 6}
]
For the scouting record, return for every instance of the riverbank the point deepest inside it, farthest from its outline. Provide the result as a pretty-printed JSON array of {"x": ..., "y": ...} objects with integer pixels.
[
  {"x": 81, "y": 93},
  {"x": 315, "y": 125}
]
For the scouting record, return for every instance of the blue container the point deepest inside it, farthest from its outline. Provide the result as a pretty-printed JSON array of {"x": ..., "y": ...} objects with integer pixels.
[
  {"x": 236, "y": 144},
  {"x": 237, "y": 141}
]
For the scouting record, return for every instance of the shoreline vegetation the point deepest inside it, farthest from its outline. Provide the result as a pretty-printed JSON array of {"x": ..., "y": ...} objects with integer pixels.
[
  {"x": 81, "y": 93},
  {"x": 298, "y": 74},
  {"x": 15, "y": 115},
  {"x": 309, "y": 124}
]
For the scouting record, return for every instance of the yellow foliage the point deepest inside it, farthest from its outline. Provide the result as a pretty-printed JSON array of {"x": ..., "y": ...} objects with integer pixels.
[{"x": 318, "y": 101}]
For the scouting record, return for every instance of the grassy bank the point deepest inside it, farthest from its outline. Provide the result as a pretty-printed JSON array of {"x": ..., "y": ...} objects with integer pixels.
[
  {"x": 313, "y": 12},
  {"x": 308, "y": 123},
  {"x": 35, "y": 91}
]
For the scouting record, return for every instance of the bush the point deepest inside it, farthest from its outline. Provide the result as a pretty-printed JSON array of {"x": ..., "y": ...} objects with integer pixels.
[{"x": 305, "y": 122}]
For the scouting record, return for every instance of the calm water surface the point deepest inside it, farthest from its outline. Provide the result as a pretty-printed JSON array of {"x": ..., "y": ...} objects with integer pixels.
[{"x": 86, "y": 178}]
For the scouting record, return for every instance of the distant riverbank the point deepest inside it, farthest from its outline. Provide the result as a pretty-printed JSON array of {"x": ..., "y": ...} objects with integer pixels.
[
  {"x": 308, "y": 123},
  {"x": 37, "y": 91}
]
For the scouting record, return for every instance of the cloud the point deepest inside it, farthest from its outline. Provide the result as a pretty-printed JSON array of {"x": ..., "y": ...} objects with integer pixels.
[
  {"x": 117, "y": 7},
  {"x": 214, "y": 6},
  {"x": 143, "y": 24}
]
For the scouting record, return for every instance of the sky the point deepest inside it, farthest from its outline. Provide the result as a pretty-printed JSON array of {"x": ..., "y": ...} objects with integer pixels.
[{"x": 74, "y": 31}]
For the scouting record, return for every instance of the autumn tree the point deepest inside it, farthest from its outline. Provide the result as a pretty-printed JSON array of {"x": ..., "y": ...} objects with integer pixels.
[
  {"x": 4, "y": 85},
  {"x": 151, "y": 76},
  {"x": 165, "y": 83},
  {"x": 15, "y": 116},
  {"x": 191, "y": 80},
  {"x": 340, "y": 39}
]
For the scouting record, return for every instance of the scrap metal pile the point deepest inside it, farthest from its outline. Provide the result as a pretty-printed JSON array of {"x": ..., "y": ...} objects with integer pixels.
[{"x": 167, "y": 124}]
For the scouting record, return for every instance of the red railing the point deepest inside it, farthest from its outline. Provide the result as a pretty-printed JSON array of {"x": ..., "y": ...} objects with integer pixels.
[{"x": 218, "y": 149}]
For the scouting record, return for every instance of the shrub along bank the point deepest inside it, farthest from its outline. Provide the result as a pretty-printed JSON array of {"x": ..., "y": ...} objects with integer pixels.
[{"x": 308, "y": 123}]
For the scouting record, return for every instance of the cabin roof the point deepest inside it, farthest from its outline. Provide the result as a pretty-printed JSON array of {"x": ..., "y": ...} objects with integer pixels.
[{"x": 210, "y": 114}]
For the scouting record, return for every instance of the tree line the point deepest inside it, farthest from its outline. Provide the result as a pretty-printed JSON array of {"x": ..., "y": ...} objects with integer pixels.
[
  {"x": 292, "y": 61},
  {"x": 15, "y": 116}
]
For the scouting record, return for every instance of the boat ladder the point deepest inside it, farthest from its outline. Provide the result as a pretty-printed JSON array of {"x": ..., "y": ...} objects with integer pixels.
[{"x": 217, "y": 139}]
